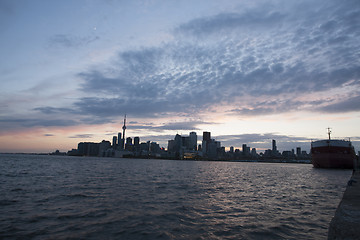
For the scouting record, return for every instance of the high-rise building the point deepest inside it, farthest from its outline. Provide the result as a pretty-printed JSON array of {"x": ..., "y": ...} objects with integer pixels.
[
  {"x": 274, "y": 148},
  {"x": 114, "y": 141},
  {"x": 128, "y": 144},
  {"x": 207, "y": 136},
  {"x": 171, "y": 146},
  {"x": 253, "y": 152},
  {"x": 204, "y": 146},
  {"x": 128, "y": 141},
  {"x": 136, "y": 141},
  {"x": 119, "y": 139},
  {"x": 298, "y": 151},
  {"x": 231, "y": 149},
  {"x": 103, "y": 147},
  {"x": 245, "y": 150},
  {"x": 193, "y": 141},
  {"x": 206, "y": 141}
]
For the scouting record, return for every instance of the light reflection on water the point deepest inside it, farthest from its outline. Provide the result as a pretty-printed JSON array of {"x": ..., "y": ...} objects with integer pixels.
[{"x": 91, "y": 198}]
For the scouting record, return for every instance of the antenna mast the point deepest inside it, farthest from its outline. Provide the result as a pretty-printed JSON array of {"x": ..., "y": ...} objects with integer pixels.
[{"x": 329, "y": 132}]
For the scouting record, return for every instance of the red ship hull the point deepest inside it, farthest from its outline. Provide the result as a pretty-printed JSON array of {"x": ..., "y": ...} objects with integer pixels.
[{"x": 332, "y": 154}]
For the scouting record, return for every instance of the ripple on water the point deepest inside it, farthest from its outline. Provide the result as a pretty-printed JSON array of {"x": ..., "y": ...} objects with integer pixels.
[{"x": 48, "y": 197}]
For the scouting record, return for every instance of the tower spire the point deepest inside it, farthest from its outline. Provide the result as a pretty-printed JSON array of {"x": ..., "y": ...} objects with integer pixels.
[{"x": 124, "y": 128}]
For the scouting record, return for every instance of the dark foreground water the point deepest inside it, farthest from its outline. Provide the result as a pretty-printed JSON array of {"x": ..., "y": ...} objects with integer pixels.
[{"x": 48, "y": 197}]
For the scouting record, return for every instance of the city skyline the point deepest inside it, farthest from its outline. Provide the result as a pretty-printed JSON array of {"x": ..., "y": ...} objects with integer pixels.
[
  {"x": 184, "y": 147},
  {"x": 248, "y": 71},
  {"x": 118, "y": 142}
]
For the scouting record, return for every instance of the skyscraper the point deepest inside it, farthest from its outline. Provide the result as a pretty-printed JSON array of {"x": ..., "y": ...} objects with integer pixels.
[
  {"x": 114, "y": 141},
  {"x": 206, "y": 136},
  {"x": 193, "y": 140},
  {"x": 274, "y": 149},
  {"x": 136, "y": 141},
  {"x": 119, "y": 139}
]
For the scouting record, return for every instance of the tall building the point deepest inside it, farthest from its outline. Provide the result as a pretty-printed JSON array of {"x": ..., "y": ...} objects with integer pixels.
[
  {"x": 253, "y": 152},
  {"x": 136, "y": 141},
  {"x": 245, "y": 150},
  {"x": 274, "y": 148},
  {"x": 193, "y": 141},
  {"x": 128, "y": 144},
  {"x": 171, "y": 146},
  {"x": 128, "y": 141},
  {"x": 178, "y": 142},
  {"x": 207, "y": 136},
  {"x": 88, "y": 149},
  {"x": 119, "y": 139},
  {"x": 298, "y": 151},
  {"x": 114, "y": 142},
  {"x": 205, "y": 142},
  {"x": 103, "y": 147},
  {"x": 231, "y": 149}
]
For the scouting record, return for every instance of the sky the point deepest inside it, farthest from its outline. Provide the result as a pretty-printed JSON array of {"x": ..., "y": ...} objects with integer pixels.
[{"x": 246, "y": 71}]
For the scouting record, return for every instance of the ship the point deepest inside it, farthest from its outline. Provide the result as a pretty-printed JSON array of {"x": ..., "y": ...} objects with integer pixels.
[{"x": 332, "y": 153}]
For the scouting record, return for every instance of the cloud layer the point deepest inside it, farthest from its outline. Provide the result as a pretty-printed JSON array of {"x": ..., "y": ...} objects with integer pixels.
[
  {"x": 262, "y": 59},
  {"x": 268, "y": 54}
]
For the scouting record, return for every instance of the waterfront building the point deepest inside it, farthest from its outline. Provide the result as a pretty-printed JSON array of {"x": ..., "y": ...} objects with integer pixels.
[
  {"x": 212, "y": 148},
  {"x": 245, "y": 150},
  {"x": 274, "y": 148},
  {"x": 119, "y": 139},
  {"x": 232, "y": 149},
  {"x": 103, "y": 148},
  {"x": 185, "y": 142},
  {"x": 206, "y": 136},
  {"x": 136, "y": 141},
  {"x": 114, "y": 142},
  {"x": 128, "y": 141},
  {"x": 171, "y": 145},
  {"x": 205, "y": 142},
  {"x": 88, "y": 149},
  {"x": 193, "y": 141},
  {"x": 155, "y": 148},
  {"x": 253, "y": 152},
  {"x": 129, "y": 145},
  {"x": 288, "y": 154}
]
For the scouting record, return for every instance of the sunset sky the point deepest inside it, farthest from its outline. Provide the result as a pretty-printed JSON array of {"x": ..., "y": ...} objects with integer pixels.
[{"x": 247, "y": 71}]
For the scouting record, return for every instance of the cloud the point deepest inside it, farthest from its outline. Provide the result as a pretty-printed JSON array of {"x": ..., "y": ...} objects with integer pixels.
[
  {"x": 289, "y": 59},
  {"x": 71, "y": 41},
  {"x": 52, "y": 110},
  {"x": 225, "y": 22},
  {"x": 346, "y": 105},
  {"x": 190, "y": 125},
  {"x": 82, "y": 136},
  {"x": 19, "y": 123},
  {"x": 256, "y": 61}
]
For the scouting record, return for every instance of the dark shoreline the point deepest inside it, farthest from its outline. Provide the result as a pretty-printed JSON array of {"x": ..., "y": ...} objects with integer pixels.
[{"x": 266, "y": 160}]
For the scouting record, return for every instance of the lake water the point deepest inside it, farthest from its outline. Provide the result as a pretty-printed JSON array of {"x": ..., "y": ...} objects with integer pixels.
[{"x": 55, "y": 197}]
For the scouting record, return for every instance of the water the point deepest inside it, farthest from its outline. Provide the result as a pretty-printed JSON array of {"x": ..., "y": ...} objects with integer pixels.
[{"x": 50, "y": 197}]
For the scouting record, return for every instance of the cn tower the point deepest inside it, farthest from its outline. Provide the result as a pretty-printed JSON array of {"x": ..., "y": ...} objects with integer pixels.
[{"x": 124, "y": 128}]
